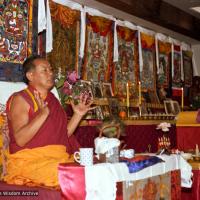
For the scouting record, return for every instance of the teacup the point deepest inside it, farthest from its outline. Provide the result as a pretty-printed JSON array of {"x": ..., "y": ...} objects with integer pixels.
[
  {"x": 128, "y": 153},
  {"x": 84, "y": 156}
]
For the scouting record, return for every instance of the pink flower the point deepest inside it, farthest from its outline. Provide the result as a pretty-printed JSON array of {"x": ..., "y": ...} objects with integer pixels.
[
  {"x": 67, "y": 88},
  {"x": 66, "y": 91},
  {"x": 72, "y": 77}
]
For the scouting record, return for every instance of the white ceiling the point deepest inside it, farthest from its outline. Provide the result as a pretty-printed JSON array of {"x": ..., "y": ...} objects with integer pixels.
[{"x": 185, "y": 5}]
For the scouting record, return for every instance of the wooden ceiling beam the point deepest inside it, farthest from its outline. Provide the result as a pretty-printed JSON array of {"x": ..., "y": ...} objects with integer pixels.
[{"x": 160, "y": 13}]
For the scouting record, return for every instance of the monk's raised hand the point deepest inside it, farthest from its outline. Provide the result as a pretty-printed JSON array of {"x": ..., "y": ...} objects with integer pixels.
[
  {"x": 84, "y": 105},
  {"x": 42, "y": 105}
]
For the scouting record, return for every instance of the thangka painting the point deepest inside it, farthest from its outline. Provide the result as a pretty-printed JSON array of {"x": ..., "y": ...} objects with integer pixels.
[
  {"x": 187, "y": 68},
  {"x": 16, "y": 36},
  {"x": 98, "y": 49},
  {"x": 176, "y": 68},
  {"x": 126, "y": 69},
  {"x": 148, "y": 70},
  {"x": 163, "y": 70},
  {"x": 66, "y": 27}
]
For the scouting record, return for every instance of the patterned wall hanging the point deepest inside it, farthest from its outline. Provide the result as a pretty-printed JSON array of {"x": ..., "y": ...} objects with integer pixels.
[
  {"x": 148, "y": 70},
  {"x": 98, "y": 49},
  {"x": 163, "y": 70},
  {"x": 176, "y": 67},
  {"x": 18, "y": 35},
  {"x": 187, "y": 68},
  {"x": 126, "y": 69},
  {"x": 66, "y": 27}
]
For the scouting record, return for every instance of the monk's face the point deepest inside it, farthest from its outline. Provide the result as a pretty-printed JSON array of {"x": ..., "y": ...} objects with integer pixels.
[{"x": 42, "y": 76}]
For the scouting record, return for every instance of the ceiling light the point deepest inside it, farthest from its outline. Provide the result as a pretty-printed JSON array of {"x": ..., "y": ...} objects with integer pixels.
[{"x": 197, "y": 9}]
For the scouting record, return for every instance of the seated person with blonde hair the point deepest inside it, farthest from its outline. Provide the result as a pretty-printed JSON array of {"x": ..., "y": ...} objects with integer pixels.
[{"x": 40, "y": 136}]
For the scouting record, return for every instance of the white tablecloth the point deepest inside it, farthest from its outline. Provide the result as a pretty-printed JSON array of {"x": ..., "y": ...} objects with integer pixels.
[{"x": 101, "y": 178}]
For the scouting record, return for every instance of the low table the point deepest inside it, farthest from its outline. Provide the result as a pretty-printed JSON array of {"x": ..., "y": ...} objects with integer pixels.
[{"x": 99, "y": 181}]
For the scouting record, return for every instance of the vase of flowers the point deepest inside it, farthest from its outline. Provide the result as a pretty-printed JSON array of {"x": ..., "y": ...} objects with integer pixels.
[{"x": 71, "y": 87}]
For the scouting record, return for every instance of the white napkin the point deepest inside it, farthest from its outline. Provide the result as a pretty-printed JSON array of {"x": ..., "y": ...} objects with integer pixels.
[{"x": 103, "y": 144}]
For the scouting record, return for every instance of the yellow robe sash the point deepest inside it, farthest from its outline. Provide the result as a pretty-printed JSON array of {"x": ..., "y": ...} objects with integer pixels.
[{"x": 36, "y": 167}]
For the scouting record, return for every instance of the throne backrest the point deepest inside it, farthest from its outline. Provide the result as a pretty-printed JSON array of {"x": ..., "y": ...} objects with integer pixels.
[{"x": 8, "y": 88}]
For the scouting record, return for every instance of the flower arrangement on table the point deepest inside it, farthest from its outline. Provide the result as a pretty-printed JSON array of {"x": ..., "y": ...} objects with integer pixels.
[
  {"x": 164, "y": 141},
  {"x": 71, "y": 87}
]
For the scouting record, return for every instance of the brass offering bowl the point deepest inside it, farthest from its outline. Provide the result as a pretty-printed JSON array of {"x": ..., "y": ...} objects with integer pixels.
[{"x": 196, "y": 158}]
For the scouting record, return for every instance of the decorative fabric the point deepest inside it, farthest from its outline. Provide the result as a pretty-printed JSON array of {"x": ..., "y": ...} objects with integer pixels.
[
  {"x": 163, "y": 69},
  {"x": 187, "y": 68},
  {"x": 86, "y": 183},
  {"x": 176, "y": 69},
  {"x": 41, "y": 16},
  {"x": 36, "y": 167},
  {"x": 99, "y": 188},
  {"x": 140, "y": 162},
  {"x": 72, "y": 181},
  {"x": 147, "y": 72},
  {"x": 66, "y": 28},
  {"x": 98, "y": 48},
  {"x": 150, "y": 183},
  {"x": 176, "y": 185},
  {"x": 166, "y": 186},
  {"x": 48, "y": 134},
  {"x": 4, "y": 141},
  {"x": 126, "y": 69},
  {"x": 148, "y": 69},
  {"x": 49, "y": 34},
  {"x": 16, "y": 37}
]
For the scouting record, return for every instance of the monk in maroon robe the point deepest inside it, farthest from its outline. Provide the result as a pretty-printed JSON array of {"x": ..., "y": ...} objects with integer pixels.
[{"x": 38, "y": 126}]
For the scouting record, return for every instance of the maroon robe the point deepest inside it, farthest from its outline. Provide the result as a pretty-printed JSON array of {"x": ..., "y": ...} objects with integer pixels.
[{"x": 52, "y": 132}]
